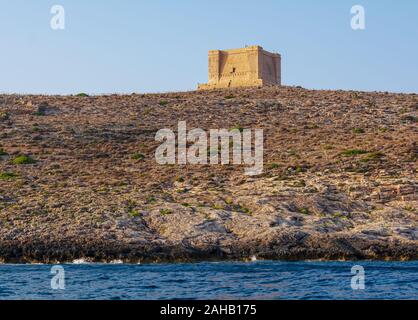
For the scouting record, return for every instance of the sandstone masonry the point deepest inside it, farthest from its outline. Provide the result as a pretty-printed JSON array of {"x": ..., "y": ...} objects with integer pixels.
[{"x": 247, "y": 67}]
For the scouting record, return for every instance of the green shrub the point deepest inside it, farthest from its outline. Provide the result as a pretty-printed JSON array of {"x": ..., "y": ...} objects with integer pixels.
[
  {"x": 138, "y": 156},
  {"x": 410, "y": 208},
  {"x": 82, "y": 94},
  {"x": 163, "y": 103},
  {"x": 237, "y": 127},
  {"x": 353, "y": 152},
  {"x": 304, "y": 210},
  {"x": 246, "y": 210},
  {"x": 312, "y": 126},
  {"x": 411, "y": 119},
  {"x": 151, "y": 200},
  {"x": 165, "y": 212},
  {"x": 8, "y": 176},
  {"x": 337, "y": 215},
  {"x": 373, "y": 156},
  {"x": 4, "y": 116},
  {"x": 23, "y": 159},
  {"x": 134, "y": 213},
  {"x": 274, "y": 166},
  {"x": 243, "y": 209},
  {"x": 358, "y": 130},
  {"x": 230, "y": 96},
  {"x": 299, "y": 169},
  {"x": 229, "y": 201}
]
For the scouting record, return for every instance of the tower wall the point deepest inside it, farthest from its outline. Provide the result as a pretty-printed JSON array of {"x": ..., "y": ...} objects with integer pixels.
[{"x": 250, "y": 66}]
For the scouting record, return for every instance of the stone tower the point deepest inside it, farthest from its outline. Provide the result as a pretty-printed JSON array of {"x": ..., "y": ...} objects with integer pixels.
[{"x": 247, "y": 67}]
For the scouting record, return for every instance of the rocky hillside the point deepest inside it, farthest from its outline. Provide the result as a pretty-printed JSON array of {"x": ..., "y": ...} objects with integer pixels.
[{"x": 78, "y": 178}]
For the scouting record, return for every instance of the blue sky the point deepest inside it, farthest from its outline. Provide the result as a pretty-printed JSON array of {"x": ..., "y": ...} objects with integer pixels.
[{"x": 161, "y": 45}]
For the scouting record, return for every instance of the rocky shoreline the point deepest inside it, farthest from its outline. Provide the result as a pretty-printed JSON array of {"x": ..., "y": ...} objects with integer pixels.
[
  {"x": 78, "y": 178},
  {"x": 327, "y": 248}
]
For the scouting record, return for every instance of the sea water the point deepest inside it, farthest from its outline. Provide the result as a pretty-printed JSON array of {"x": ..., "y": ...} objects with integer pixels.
[{"x": 222, "y": 280}]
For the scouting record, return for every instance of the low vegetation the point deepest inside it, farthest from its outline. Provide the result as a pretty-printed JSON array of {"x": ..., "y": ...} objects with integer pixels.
[
  {"x": 358, "y": 130},
  {"x": 165, "y": 212},
  {"x": 8, "y": 176},
  {"x": 23, "y": 159},
  {"x": 373, "y": 156},
  {"x": 4, "y": 116},
  {"x": 353, "y": 152},
  {"x": 82, "y": 94},
  {"x": 138, "y": 156}
]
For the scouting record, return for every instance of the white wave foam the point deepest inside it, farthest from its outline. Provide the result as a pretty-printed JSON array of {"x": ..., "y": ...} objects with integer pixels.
[
  {"x": 116, "y": 261},
  {"x": 80, "y": 261}
]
